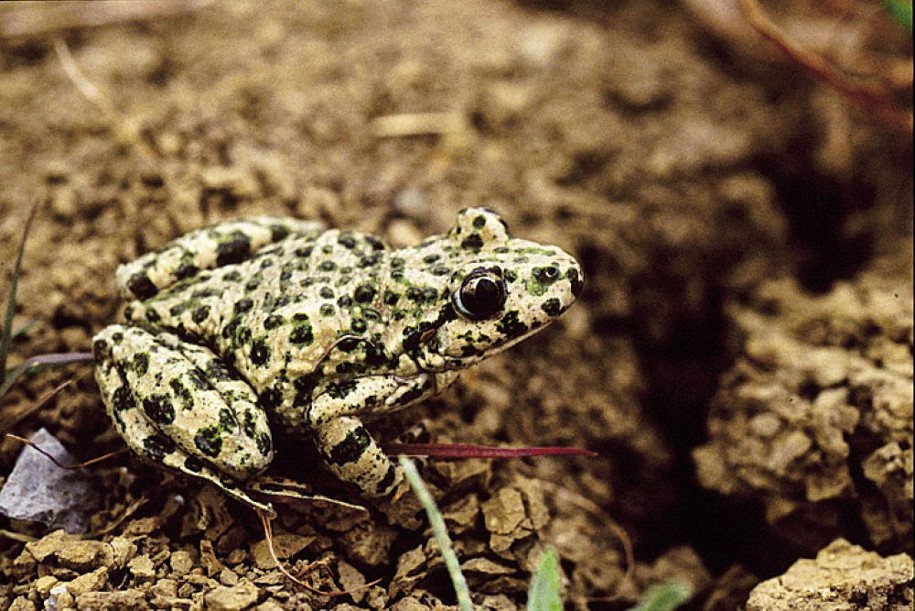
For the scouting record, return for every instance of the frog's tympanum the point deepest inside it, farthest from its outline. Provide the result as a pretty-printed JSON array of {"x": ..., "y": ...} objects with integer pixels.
[{"x": 274, "y": 323}]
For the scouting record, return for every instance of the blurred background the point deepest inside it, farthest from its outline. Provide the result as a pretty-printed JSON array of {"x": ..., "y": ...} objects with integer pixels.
[{"x": 734, "y": 175}]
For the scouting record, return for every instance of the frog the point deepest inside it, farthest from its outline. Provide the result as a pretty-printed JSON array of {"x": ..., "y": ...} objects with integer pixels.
[{"x": 268, "y": 324}]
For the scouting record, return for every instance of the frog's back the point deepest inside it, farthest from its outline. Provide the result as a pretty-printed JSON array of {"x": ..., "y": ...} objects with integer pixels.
[
  {"x": 279, "y": 303},
  {"x": 224, "y": 244}
]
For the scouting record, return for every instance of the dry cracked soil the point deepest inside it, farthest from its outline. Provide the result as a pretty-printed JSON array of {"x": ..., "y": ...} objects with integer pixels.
[{"x": 740, "y": 360}]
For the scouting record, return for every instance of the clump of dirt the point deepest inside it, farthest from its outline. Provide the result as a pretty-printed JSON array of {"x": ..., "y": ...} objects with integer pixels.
[
  {"x": 705, "y": 193},
  {"x": 842, "y": 577},
  {"x": 815, "y": 417}
]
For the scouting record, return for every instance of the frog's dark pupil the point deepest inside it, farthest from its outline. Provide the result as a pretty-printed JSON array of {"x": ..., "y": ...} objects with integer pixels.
[{"x": 482, "y": 294}]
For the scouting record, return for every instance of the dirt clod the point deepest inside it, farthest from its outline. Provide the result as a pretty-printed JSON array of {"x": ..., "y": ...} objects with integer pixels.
[
  {"x": 843, "y": 577},
  {"x": 746, "y": 319},
  {"x": 240, "y": 596},
  {"x": 816, "y": 415}
]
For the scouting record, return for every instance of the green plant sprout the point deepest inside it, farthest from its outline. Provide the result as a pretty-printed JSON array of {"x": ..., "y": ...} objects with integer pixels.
[
  {"x": 901, "y": 11},
  {"x": 664, "y": 596},
  {"x": 6, "y": 332},
  {"x": 440, "y": 532},
  {"x": 546, "y": 584},
  {"x": 43, "y": 361}
]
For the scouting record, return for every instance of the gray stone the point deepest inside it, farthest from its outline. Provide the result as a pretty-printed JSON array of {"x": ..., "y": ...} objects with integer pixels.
[{"x": 38, "y": 490}]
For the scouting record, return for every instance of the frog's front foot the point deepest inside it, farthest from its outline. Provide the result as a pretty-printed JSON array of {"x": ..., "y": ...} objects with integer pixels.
[{"x": 178, "y": 405}]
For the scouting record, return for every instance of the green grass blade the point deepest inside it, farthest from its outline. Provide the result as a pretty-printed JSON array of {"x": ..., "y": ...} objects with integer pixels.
[
  {"x": 546, "y": 585},
  {"x": 664, "y": 597},
  {"x": 10, "y": 377},
  {"x": 23, "y": 329},
  {"x": 901, "y": 10},
  {"x": 6, "y": 334},
  {"x": 440, "y": 532}
]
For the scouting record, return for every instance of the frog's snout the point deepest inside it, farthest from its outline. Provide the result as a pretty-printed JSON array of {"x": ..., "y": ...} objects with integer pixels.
[
  {"x": 537, "y": 294},
  {"x": 555, "y": 287}
]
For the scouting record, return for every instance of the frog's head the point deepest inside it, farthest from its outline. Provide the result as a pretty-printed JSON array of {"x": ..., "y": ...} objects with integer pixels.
[{"x": 493, "y": 291}]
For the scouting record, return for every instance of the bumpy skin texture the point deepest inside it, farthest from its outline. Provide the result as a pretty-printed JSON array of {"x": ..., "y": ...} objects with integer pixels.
[{"x": 269, "y": 321}]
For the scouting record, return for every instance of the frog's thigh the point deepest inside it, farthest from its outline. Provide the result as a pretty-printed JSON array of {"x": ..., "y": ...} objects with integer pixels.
[
  {"x": 145, "y": 440},
  {"x": 187, "y": 396},
  {"x": 355, "y": 457},
  {"x": 222, "y": 244}
]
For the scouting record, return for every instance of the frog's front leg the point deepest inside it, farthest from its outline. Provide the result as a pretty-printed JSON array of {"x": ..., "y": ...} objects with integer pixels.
[
  {"x": 221, "y": 244},
  {"x": 176, "y": 404},
  {"x": 346, "y": 445}
]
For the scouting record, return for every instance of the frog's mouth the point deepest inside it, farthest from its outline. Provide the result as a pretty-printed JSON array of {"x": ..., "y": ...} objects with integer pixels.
[{"x": 423, "y": 342}]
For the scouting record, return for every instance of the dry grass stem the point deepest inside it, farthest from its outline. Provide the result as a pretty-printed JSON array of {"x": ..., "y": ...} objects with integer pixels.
[
  {"x": 31, "y": 18},
  {"x": 126, "y": 130},
  {"x": 872, "y": 95}
]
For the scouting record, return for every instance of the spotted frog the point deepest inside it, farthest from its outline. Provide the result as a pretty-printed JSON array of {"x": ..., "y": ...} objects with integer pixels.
[{"x": 271, "y": 323}]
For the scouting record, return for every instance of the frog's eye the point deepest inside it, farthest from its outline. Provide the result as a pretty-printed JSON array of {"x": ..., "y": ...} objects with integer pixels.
[{"x": 481, "y": 295}]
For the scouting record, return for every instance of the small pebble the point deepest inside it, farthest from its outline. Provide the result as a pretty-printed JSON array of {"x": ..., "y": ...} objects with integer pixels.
[
  {"x": 142, "y": 567},
  {"x": 181, "y": 562}
]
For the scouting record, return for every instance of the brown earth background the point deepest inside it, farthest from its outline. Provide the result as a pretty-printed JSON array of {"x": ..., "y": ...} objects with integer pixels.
[{"x": 740, "y": 359}]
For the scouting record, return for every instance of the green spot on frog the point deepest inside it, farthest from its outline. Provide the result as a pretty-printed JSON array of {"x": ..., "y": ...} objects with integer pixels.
[{"x": 209, "y": 441}]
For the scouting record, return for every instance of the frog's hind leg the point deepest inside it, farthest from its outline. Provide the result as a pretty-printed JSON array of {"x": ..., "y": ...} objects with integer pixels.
[
  {"x": 143, "y": 439},
  {"x": 347, "y": 447},
  {"x": 222, "y": 244},
  {"x": 177, "y": 405}
]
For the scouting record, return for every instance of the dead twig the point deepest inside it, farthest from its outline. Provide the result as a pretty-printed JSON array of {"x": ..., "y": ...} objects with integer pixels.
[
  {"x": 267, "y": 525},
  {"x": 49, "y": 456},
  {"x": 873, "y": 96},
  {"x": 119, "y": 519},
  {"x": 36, "y": 18},
  {"x": 8, "y": 423},
  {"x": 419, "y": 124}
]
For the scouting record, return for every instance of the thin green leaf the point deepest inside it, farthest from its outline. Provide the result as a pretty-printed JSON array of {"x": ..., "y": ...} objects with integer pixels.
[
  {"x": 901, "y": 12},
  {"x": 6, "y": 335},
  {"x": 10, "y": 377},
  {"x": 664, "y": 596},
  {"x": 440, "y": 532},
  {"x": 546, "y": 585}
]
